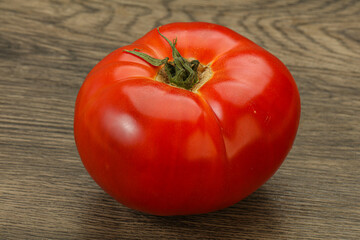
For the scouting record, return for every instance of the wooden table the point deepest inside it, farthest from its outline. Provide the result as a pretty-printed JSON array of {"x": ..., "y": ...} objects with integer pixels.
[{"x": 48, "y": 47}]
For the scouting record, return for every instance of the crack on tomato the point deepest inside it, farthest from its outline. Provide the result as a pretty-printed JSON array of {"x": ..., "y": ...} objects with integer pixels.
[{"x": 218, "y": 123}]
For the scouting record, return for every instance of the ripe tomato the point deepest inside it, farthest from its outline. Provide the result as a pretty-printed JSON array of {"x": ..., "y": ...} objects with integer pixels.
[{"x": 168, "y": 149}]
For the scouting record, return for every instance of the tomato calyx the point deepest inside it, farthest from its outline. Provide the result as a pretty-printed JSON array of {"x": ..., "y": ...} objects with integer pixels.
[{"x": 179, "y": 72}]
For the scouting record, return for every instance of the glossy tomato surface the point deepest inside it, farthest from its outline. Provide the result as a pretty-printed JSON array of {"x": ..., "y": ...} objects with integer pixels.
[{"x": 169, "y": 151}]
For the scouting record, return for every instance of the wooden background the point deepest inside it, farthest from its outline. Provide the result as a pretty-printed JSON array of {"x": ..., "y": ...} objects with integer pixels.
[{"x": 48, "y": 47}]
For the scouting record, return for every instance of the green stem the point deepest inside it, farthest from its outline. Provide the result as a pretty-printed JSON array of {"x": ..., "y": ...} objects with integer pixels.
[{"x": 180, "y": 71}]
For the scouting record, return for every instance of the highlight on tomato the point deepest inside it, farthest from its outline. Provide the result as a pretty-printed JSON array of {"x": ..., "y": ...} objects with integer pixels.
[{"x": 190, "y": 118}]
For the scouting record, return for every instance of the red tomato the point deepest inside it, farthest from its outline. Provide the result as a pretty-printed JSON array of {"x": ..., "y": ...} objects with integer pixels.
[{"x": 166, "y": 150}]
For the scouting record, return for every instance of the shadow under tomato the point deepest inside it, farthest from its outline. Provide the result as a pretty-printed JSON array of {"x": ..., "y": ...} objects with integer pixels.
[
  {"x": 246, "y": 219},
  {"x": 259, "y": 215}
]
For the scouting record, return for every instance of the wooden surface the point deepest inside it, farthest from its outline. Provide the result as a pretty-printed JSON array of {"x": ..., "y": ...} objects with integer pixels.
[{"x": 48, "y": 47}]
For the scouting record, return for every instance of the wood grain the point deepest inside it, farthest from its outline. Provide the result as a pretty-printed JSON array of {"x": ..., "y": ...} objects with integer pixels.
[{"x": 48, "y": 47}]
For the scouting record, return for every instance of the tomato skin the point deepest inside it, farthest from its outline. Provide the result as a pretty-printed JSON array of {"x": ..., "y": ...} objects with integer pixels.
[{"x": 169, "y": 151}]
